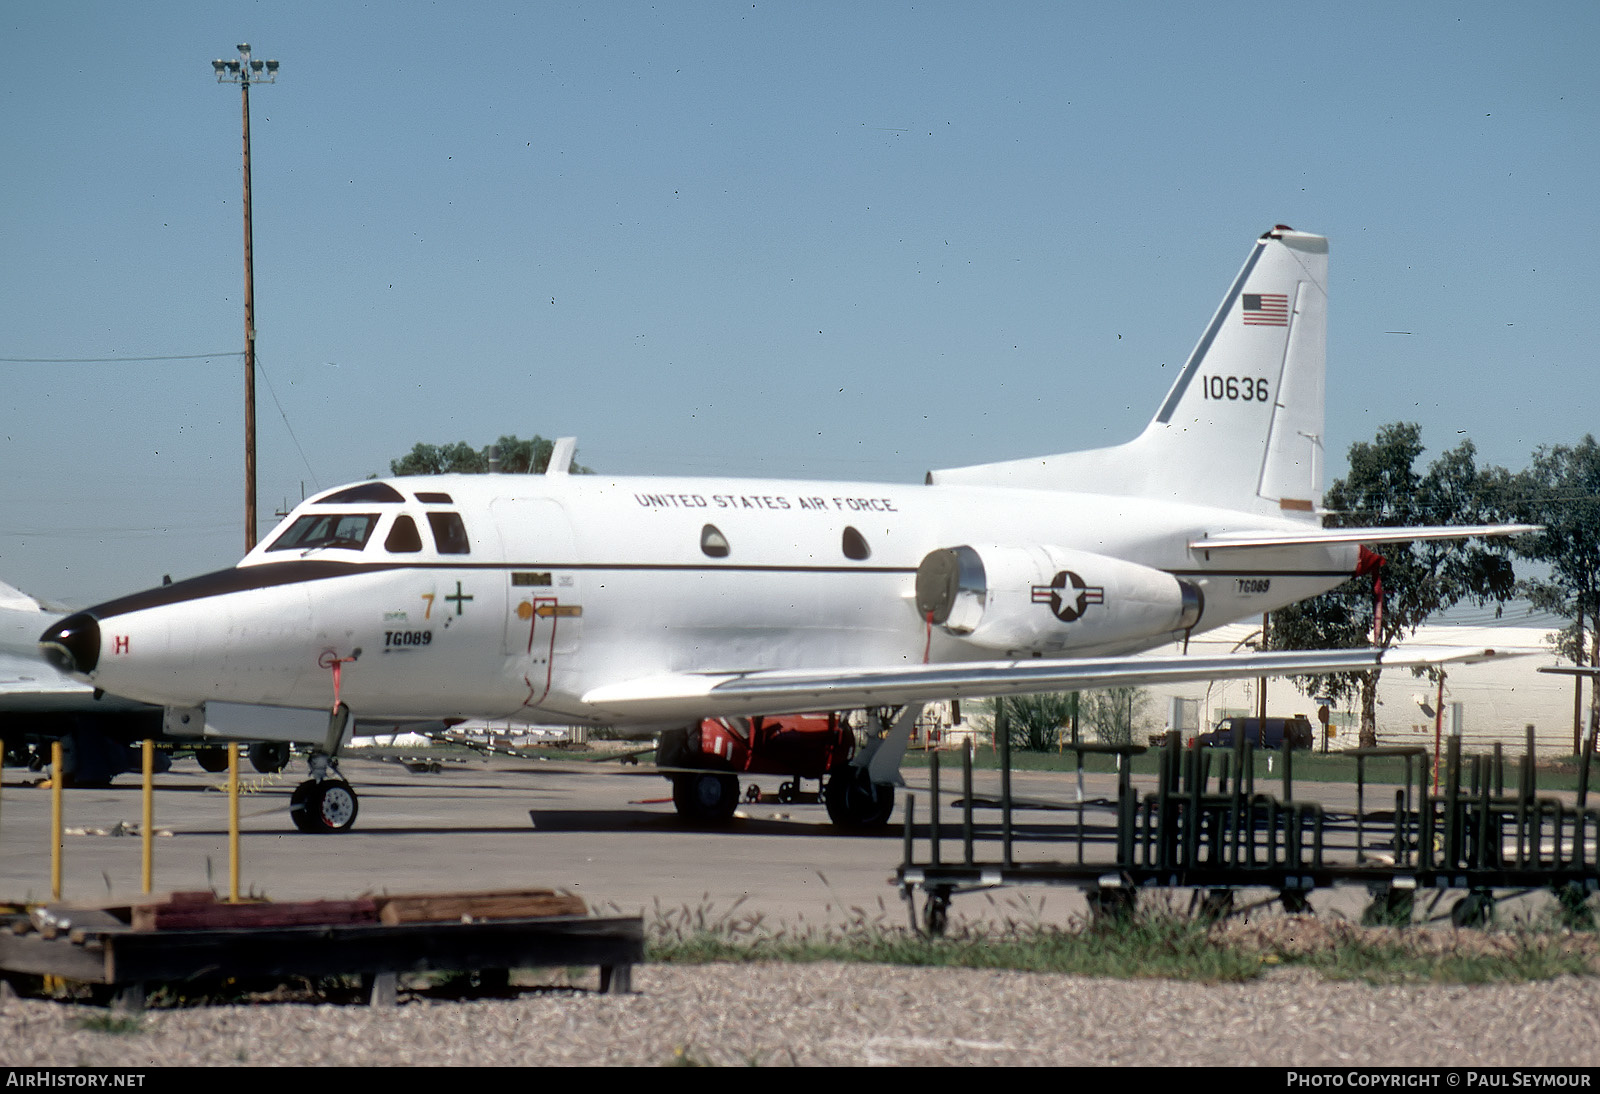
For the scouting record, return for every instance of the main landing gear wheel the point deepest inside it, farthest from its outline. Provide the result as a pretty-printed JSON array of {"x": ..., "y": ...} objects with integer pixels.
[
  {"x": 269, "y": 757},
  {"x": 327, "y": 806},
  {"x": 855, "y": 801},
  {"x": 705, "y": 797},
  {"x": 214, "y": 760}
]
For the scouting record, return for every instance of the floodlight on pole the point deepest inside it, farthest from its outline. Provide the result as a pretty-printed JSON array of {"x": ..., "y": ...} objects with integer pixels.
[{"x": 245, "y": 72}]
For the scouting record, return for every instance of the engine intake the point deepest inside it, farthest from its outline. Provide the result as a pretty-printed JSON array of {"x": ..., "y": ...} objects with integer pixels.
[{"x": 1042, "y": 598}]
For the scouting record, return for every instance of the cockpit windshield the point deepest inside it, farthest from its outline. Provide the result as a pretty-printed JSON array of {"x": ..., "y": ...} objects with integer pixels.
[{"x": 314, "y": 530}]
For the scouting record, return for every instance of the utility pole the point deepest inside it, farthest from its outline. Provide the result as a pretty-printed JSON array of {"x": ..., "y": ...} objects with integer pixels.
[{"x": 245, "y": 72}]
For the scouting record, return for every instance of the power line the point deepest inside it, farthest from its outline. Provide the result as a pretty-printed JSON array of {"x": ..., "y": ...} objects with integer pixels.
[
  {"x": 106, "y": 360},
  {"x": 292, "y": 436}
]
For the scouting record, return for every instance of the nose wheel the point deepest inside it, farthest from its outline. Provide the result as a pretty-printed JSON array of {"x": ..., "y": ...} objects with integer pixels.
[
  {"x": 326, "y": 806},
  {"x": 321, "y": 803}
]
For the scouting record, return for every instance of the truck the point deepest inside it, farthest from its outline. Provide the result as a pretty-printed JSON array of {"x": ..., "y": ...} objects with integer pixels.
[{"x": 1261, "y": 732}]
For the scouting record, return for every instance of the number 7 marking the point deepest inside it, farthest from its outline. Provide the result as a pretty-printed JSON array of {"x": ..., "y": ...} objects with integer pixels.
[{"x": 429, "y": 598}]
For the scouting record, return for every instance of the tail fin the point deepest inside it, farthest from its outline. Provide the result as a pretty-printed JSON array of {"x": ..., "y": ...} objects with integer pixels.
[{"x": 1242, "y": 426}]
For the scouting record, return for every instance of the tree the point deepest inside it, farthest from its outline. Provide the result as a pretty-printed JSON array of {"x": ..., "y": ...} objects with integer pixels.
[
  {"x": 1034, "y": 721},
  {"x": 432, "y": 459},
  {"x": 517, "y": 457},
  {"x": 1115, "y": 714},
  {"x": 1561, "y": 490},
  {"x": 1418, "y": 578}
]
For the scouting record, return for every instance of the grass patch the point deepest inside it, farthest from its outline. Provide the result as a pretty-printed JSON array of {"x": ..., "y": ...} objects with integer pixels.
[
  {"x": 1340, "y": 950},
  {"x": 1152, "y": 950},
  {"x": 1386, "y": 962},
  {"x": 1159, "y": 943},
  {"x": 121, "y": 1025},
  {"x": 1155, "y": 945}
]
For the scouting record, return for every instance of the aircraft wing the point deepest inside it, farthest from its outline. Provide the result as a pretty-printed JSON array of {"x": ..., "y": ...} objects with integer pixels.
[
  {"x": 1317, "y": 537},
  {"x": 702, "y": 695}
]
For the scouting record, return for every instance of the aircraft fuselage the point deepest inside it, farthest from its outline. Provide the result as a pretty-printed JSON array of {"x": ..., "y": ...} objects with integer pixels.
[{"x": 512, "y": 596}]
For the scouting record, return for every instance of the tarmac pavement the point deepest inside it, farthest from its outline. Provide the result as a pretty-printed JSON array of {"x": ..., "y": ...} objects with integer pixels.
[{"x": 605, "y": 832}]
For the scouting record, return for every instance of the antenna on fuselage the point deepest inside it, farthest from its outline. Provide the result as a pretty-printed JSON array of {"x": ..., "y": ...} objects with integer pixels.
[{"x": 561, "y": 454}]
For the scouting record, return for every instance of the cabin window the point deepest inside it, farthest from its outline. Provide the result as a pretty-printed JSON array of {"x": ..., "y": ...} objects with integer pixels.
[
  {"x": 450, "y": 533},
  {"x": 855, "y": 545},
  {"x": 434, "y": 498},
  {"x": 404, "y": 539},
  {"x": 367, "y": 491},
  {"x": 713, "y": 542},
  {"x": 315, "y": 530}
]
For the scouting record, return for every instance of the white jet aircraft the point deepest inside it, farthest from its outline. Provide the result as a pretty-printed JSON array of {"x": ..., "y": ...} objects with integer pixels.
[
  {"x": 654, "y": 602},
  {"x": 98, "y": 732},
  {"x": 39, "y": 704}
]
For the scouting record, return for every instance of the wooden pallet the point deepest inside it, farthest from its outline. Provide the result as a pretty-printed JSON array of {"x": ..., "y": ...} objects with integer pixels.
[{"x": 473, "y": 932}]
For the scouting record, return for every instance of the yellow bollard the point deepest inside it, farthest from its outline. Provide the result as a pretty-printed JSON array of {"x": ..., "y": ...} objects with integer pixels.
[
  {"x": 147, "y": 829},
  {"x": 233, "y": 821},
  {"x": 55, "y": 820}
]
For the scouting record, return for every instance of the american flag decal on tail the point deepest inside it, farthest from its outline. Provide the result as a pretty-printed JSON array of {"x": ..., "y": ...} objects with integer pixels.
[{"x": 1265, "y": 309}]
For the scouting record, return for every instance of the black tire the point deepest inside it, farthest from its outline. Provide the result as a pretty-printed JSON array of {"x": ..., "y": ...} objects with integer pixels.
[
  {"x": 214, "y": 760},
  {"x": 299, "y": 812},
  {"x": 705, "y": 797},
  {"x": 269, "y": 757},
  {"x": 855, "y": 801},
  {"x": 327, "y": 806}
]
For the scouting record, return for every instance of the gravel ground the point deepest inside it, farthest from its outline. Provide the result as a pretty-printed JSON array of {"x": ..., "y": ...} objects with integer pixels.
[{"x": 829, "y": 1014}]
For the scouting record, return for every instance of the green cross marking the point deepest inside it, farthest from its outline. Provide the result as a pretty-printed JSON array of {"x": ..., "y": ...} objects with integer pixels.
[{"x": 458, "y": 598}]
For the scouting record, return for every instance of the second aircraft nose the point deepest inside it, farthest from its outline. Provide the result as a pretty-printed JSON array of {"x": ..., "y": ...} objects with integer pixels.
[{"x": 73, "y": 645}]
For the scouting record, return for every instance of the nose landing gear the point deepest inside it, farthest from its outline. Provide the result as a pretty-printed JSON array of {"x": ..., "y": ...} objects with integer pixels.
[
  {"x": 323, "y": 804},
  {"x": 326, "y": 806}
]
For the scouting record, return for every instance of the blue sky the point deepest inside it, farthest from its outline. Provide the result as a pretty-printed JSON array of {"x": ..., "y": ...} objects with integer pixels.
[{"x": 827, "y": 240}]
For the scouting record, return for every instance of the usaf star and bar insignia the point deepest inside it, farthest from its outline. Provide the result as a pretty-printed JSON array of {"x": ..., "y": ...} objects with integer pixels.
[{"x": 1068, "y": 596}]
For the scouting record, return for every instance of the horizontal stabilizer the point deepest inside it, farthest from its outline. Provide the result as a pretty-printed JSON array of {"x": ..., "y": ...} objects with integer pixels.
[
  {"x": 702, "y": 695},
  {"x": 1330, "y": 536}
]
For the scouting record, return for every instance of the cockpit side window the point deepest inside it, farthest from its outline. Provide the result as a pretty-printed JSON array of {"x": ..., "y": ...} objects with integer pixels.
[
  {"x": 404, "y": 539},
  {"x": 346, "y": 530},
  {"x": 450, "y": 533}
]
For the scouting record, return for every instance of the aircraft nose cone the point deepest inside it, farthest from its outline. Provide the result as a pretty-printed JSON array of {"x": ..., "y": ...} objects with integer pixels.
[{"x": 73, "y": 645}]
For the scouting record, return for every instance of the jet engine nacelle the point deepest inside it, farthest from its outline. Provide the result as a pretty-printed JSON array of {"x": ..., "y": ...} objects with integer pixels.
[{"x": 1046, "y": 598}]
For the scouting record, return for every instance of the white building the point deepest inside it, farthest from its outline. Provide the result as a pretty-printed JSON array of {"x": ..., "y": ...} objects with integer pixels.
[{"x": 1497, "y": 698}]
